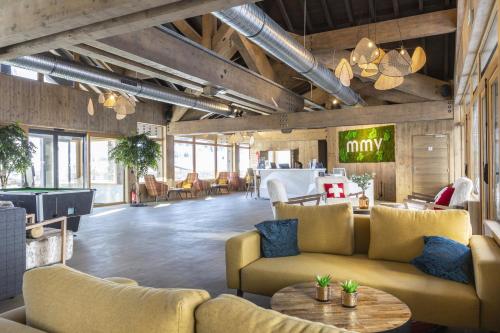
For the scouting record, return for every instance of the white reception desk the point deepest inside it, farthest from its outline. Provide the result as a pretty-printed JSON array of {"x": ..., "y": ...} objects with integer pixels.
[{"x": 298, "y": 182}]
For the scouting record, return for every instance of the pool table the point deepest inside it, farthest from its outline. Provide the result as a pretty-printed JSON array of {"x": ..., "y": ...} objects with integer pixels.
[{"x": 47, "y": 203}]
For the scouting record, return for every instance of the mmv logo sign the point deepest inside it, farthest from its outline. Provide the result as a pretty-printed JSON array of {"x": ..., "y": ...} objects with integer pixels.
[{"x": 367, "y": 145}]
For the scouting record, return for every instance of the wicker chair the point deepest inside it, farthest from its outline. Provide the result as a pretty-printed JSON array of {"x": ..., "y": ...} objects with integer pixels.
[
  {"x": 191, "y": 184},
  {"x": 155, "y": 188},
  {"x": 222, "y": 181},
  {"x": 235, "y": 182}
]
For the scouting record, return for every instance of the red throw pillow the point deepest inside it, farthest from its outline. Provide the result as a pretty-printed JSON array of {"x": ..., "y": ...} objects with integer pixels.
[
  {"x": 335, "y": 190},
  {"x": 445, "y": 197}
]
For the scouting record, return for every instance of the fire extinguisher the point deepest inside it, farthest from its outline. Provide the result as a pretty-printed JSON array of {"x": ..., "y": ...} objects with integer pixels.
[{"x": 133, "y": 196}]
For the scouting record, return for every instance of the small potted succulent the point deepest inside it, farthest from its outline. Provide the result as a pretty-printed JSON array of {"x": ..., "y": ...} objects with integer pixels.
[
  {"x": 363, "y": 181},
  {"x": 349, "y": 294},
  {"x": 323, "y": 288}
]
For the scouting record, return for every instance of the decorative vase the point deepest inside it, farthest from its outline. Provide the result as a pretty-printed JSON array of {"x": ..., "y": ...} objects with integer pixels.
[
  {"x": 323, "y": 294},
  {"x": 349, "y": 300},
  {"x": 364, "y": 202}
]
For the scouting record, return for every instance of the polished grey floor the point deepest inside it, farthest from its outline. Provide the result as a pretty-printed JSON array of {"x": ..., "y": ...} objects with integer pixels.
[{"x": 170, "y": 244}]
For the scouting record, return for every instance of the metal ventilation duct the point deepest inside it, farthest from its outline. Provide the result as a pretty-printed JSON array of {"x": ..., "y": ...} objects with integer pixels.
[
  {"x": 250, "y": 21},
  {"x": 73, "y": 71}
]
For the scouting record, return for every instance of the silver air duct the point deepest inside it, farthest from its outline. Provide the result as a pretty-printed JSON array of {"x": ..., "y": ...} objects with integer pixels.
[
  {"x": 73, "y": 71},
  {"x": 250, "y": 21}
]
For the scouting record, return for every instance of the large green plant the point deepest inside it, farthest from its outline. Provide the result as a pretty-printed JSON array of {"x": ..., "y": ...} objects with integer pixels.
[
  {"x": 138, "y": 153},
  {"x": 15, "y": 152}
]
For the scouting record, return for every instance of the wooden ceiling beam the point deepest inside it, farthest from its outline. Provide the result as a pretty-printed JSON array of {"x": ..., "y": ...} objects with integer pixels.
[
  {"x": 430, "y": 24},
  {"x": 348, "y": 9},
  {"x": 209, "y": 27},
  {"x": 253, "y": 56},
  {"x": 48, "y": 24},
  {"x": 164, "y": 51},
  {"x": 384, "y": 114},
  {"x": 222, "y": 42},
  {"x": 285, "y": 16},
  {"x": 187, "y": 30},
  {"x": 328, "y": 16}
]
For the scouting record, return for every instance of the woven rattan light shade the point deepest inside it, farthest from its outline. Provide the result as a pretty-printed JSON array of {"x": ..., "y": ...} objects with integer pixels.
[
  {"x": 344, "y": 72},
  {"x": 418, "y": 59},
  {"x": 388, "y": 82},
  {"x": 366, "y": 51},
  {"x": 395, "y": 63}
]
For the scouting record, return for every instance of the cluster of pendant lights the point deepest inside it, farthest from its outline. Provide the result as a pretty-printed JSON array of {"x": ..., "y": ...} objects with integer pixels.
[
  {"x": 242, "y": 137},
  {"x": 122, "y": 105},
  {"x": 392, "y": 66}
]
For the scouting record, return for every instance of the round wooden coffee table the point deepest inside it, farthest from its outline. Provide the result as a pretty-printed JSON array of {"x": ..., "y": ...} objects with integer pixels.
[{"x": 377, "y": 311}]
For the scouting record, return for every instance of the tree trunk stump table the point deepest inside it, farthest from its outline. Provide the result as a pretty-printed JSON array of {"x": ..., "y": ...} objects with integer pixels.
[{"x": 377, "y": 311}]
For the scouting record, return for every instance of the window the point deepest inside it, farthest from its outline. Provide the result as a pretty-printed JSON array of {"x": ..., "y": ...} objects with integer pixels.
[
  {"x": 183, "y": 159},
  {"x": 489, "y": 46},
  {"x": 205, "y": 161},
  {"x": 43, "y": 161},
  {"x": 224, "y": 158},
  {"x": 475, "y": 148},
  {"x": 106, "y": 176},
  {"x": 155, "y": 132},
  {"x": 25, "y": 73},
  {"x": 244, "y": 159}
]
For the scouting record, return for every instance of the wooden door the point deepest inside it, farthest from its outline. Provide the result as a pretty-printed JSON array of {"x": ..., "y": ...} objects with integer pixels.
[{"x": 431, "y": 163}]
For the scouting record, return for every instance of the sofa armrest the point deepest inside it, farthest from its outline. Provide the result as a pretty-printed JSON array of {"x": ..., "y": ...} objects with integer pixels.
[
  {"x": 9, "y": 326},
  {"x": 18, "y": 315},
  {"x": 486, "y": 261},
  {"x": 241, "y": 250}
]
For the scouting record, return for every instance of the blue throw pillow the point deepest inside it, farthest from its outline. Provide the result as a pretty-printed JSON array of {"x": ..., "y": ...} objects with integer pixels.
[
  {"x": 278, "y": 238},
  {"x": 444, "y": 258}
]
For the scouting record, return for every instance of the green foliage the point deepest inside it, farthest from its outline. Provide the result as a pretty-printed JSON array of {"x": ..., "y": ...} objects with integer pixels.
[
  {"x": 15, "y": 151},
  {"x": 362, "y": 181},
  {"x": 367, "y": 145},
  {"x": 137, "y": 152},
  {"x": 350, "y": 286},
  {"x": 323, "y": 281}
]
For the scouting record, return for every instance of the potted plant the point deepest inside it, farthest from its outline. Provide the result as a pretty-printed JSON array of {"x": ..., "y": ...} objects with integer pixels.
[
  {"x": 323, "y": 287},
  {"x": 349, "y": 293},
  {"x": 363, "y": 181},
  {"x": 15, "y": 152},
  {"x": 137, "y": 153}
]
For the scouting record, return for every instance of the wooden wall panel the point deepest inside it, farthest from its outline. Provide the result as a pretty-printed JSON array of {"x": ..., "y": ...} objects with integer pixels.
[
  {"x": 404, "y": 164},
  {"x": 51, "y": 106}
]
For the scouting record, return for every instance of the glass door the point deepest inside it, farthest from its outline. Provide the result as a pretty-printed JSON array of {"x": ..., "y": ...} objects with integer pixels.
[
  {"x": 70, "y": 168},
  {"x": 42, "y": 170},
  {"x": 106, "y": 176},
  {"x": 59, "y": 160}
]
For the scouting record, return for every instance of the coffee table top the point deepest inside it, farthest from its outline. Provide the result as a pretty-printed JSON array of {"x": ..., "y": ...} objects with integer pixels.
[{"x": 376, "y": 310}]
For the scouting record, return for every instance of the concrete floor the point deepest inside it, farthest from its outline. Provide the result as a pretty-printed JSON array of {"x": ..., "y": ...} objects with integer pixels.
[{"x": 170, "y": 244}]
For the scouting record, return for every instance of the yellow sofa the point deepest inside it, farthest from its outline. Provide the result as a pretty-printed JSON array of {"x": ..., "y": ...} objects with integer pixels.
[
  {"x": 431, "y": 299},
  {"x": 60, "y": 299}
]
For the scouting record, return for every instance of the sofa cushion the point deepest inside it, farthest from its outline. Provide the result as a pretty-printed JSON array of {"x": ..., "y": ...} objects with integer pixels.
[
  {"x": 322, "y": 229},
  {"x": 278, "y": 238},
  {"x": 397, "y": 234},
  {"x": 444, "y": 258},
  {"x": 430, "y": 299},
  {"x": 60, "y": 299},
  {"x": 228, "y": 313}
]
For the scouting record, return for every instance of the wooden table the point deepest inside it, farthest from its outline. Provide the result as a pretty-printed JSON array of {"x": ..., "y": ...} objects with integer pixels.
[{"x": 377, "y": 311}]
